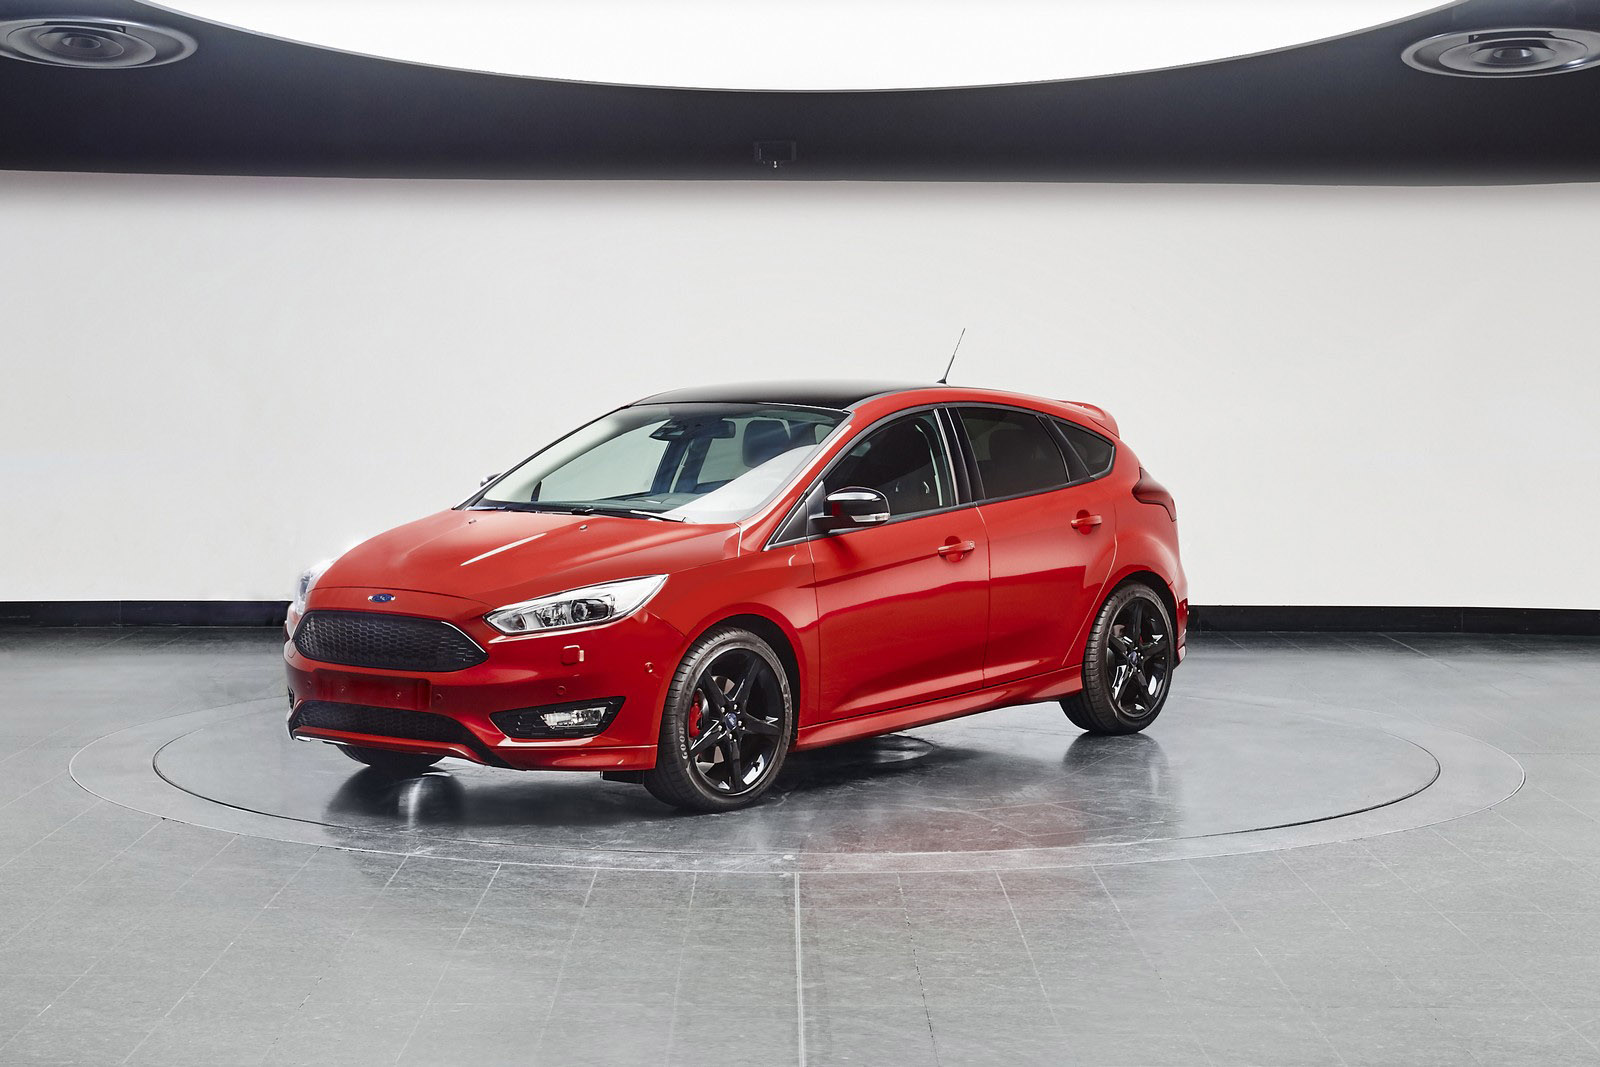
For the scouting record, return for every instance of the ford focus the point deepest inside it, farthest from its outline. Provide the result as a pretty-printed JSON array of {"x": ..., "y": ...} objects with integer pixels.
[{"x": 689, "y": 588}]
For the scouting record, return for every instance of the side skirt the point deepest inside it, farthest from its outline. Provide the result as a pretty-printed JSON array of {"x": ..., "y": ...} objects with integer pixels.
[{"x": 1021, "y": 691}]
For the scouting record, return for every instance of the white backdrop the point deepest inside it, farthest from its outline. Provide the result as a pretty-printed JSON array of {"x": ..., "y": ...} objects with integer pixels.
[{"x": 1359, "y": 396}]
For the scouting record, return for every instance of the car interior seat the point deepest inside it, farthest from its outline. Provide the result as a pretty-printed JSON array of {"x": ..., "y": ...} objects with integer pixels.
[
  {"x": 1020, "y": 462},
  {"x": 899, "y": 464},
  {"x": 764, "y": 439}
]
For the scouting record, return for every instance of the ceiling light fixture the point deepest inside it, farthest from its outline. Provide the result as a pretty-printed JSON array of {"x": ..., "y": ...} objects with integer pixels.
[
  {"x": 92, "y": 42},
  {"x": 1505, "y": 53}
]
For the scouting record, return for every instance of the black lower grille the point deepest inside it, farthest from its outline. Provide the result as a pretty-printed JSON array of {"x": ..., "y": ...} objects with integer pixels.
[
  {"x": 393, "y": 642},
  {"x": 379, "y": 722}
]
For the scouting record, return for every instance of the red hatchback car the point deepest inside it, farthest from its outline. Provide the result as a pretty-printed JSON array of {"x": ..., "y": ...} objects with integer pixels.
[{"x": 688, "y": 588}]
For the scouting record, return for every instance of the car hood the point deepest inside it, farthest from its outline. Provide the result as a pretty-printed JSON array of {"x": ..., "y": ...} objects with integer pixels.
[{"x": 500, "y": 557}]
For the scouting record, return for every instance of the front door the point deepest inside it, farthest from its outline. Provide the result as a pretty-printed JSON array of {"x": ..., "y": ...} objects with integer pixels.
[{"x": 903, "y": 607}]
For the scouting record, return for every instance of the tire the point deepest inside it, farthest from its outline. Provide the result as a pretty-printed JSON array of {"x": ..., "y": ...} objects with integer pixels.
[
  {"x": 721, "y": 746},
  {"x": 1125, "y": 683},
  {"x": 391, "y": 764}
]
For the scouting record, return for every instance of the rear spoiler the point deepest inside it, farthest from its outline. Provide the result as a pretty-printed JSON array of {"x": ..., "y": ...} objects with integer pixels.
[{"x": 1095, "y": 413}]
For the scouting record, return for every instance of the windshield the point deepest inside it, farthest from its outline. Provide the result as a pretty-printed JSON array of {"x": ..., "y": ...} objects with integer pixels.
[{"x": 688, "y": 462}]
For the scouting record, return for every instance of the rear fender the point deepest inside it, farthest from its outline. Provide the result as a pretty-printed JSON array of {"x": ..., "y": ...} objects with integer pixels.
[{"x": 1143, "y": 551}]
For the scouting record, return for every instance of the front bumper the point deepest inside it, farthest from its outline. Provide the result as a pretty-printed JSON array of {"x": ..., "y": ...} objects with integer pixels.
[{"x": 632, "y": 659}]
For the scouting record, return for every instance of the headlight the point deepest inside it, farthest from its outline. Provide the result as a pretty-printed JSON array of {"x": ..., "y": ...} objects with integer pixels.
[
  {"x": 308, "y": 578},
  {"x": 588, "y": 606}
]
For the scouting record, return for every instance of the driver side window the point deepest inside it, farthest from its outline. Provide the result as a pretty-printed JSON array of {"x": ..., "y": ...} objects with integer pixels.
[{"x": 905, "y": 461}]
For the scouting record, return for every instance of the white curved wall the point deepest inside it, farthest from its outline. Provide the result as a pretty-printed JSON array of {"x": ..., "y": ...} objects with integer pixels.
[{"x": 1360, "y": 396}]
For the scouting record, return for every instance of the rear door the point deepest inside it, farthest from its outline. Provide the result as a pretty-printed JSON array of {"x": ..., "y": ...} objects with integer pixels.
[
  {"x": 1052, "y": 538},
  {"x": 903, "y": 606}
]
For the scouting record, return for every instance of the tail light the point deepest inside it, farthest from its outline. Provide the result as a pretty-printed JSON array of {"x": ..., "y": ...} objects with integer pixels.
[{"x": 1149, "y": 491}]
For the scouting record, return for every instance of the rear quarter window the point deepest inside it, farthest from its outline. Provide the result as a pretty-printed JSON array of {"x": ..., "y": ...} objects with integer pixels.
[{"x": 1092, "y": 452}]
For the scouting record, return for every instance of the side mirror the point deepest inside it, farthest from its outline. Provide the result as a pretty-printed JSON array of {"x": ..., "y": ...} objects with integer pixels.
[
  {"x": 488, "y": 478},
  {"x": 852, "y": 508}
]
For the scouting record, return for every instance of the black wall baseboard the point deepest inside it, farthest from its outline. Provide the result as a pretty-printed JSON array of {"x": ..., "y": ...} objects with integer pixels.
[
  {"x": 1292, "y": 618},
  {"x": 143, "y": 612},
  {"x": 1220, "y": 618}
]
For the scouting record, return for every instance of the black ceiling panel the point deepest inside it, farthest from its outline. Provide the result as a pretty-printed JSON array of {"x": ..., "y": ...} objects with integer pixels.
[{"x": 1346, "y": 110}]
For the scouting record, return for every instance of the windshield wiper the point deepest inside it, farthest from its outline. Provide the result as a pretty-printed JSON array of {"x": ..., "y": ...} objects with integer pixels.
[
  {"x": 626, "y": 513},
  {"x": 571, "y": 509},
  {"x": 514, "y": 505}
]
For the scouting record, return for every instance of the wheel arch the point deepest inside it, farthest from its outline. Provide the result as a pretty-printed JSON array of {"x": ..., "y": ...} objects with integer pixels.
[
  {"x": 783, "y": 642},
  {"x": 1139, "y": 573},
  {"x": 1151, "y": 580},
  {"x": 1177, "y": 608}
]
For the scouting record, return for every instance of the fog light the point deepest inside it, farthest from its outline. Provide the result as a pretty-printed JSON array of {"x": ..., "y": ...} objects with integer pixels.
[
  {"x": 583, "y": 718},
  {"x": 576, "y": 718}
]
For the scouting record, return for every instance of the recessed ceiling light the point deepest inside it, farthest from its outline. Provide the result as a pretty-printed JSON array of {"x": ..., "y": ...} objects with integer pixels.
[
  {"x": 92, "y": 42},
  {"x": 805, "y": 44},
  {"x": 1505, "y": 53}
]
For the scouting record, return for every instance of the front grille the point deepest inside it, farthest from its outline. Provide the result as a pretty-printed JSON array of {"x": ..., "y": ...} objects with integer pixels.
[
  {"x": 379, "y": 722},
  {"x": 392, "y": 642}
]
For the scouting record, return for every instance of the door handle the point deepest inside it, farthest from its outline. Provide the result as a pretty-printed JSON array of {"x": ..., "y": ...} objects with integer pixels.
[
  {"x": 1084, "y": 522},
  {"x": 956, "y": 548}
]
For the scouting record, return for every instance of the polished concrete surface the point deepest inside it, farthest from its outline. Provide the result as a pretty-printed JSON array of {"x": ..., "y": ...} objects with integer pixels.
[{"x": 1324, "y": 852}]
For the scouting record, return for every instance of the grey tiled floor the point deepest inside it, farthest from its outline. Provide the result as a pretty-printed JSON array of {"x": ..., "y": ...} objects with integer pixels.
[{"x": 129, "y": 939}]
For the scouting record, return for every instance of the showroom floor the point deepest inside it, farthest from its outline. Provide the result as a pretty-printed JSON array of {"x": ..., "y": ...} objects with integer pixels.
[{"x": 989, "y": 891}]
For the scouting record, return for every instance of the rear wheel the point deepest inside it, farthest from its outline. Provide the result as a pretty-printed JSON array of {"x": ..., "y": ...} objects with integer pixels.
[
  {"x": 393, "y": 764},
  {"x": 1127, "y": 665},
  {"x": 726, "y": 726}
]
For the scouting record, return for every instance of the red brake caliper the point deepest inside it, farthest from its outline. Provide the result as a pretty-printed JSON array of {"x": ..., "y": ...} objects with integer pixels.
[{"x": 696, "y": 710}]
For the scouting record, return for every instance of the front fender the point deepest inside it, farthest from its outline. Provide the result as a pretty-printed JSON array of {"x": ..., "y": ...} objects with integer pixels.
[{"x": 774, "y": 585}]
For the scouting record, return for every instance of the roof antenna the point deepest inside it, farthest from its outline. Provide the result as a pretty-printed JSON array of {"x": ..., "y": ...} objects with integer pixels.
[{"x": 946, "y": 379}]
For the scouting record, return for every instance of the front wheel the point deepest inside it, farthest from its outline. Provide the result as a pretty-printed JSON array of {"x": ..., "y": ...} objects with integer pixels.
[
  {"x": 1127, "y": 665},
  {"x": 390, "y": 763},
  {"x": 726, "y": 726}
]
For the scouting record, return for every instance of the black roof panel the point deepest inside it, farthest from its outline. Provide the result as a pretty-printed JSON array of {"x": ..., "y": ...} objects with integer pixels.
[{"x": 821, "y": 394}]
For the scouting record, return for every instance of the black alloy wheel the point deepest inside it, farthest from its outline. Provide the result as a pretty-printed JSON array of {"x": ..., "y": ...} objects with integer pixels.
[
  {"x": 389, "y": 763},
  {"x": 727, "y": 723},
  {"x": 1127, "y": 664}
]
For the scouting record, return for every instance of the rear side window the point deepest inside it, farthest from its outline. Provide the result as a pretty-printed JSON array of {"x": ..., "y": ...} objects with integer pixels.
[
  {"x": 1015, "y": 452},
  {"x": 1090, "y": 449}
]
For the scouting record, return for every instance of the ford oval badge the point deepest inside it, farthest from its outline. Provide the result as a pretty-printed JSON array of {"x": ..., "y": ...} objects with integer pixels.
[{"x": 381, "y": 598}]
